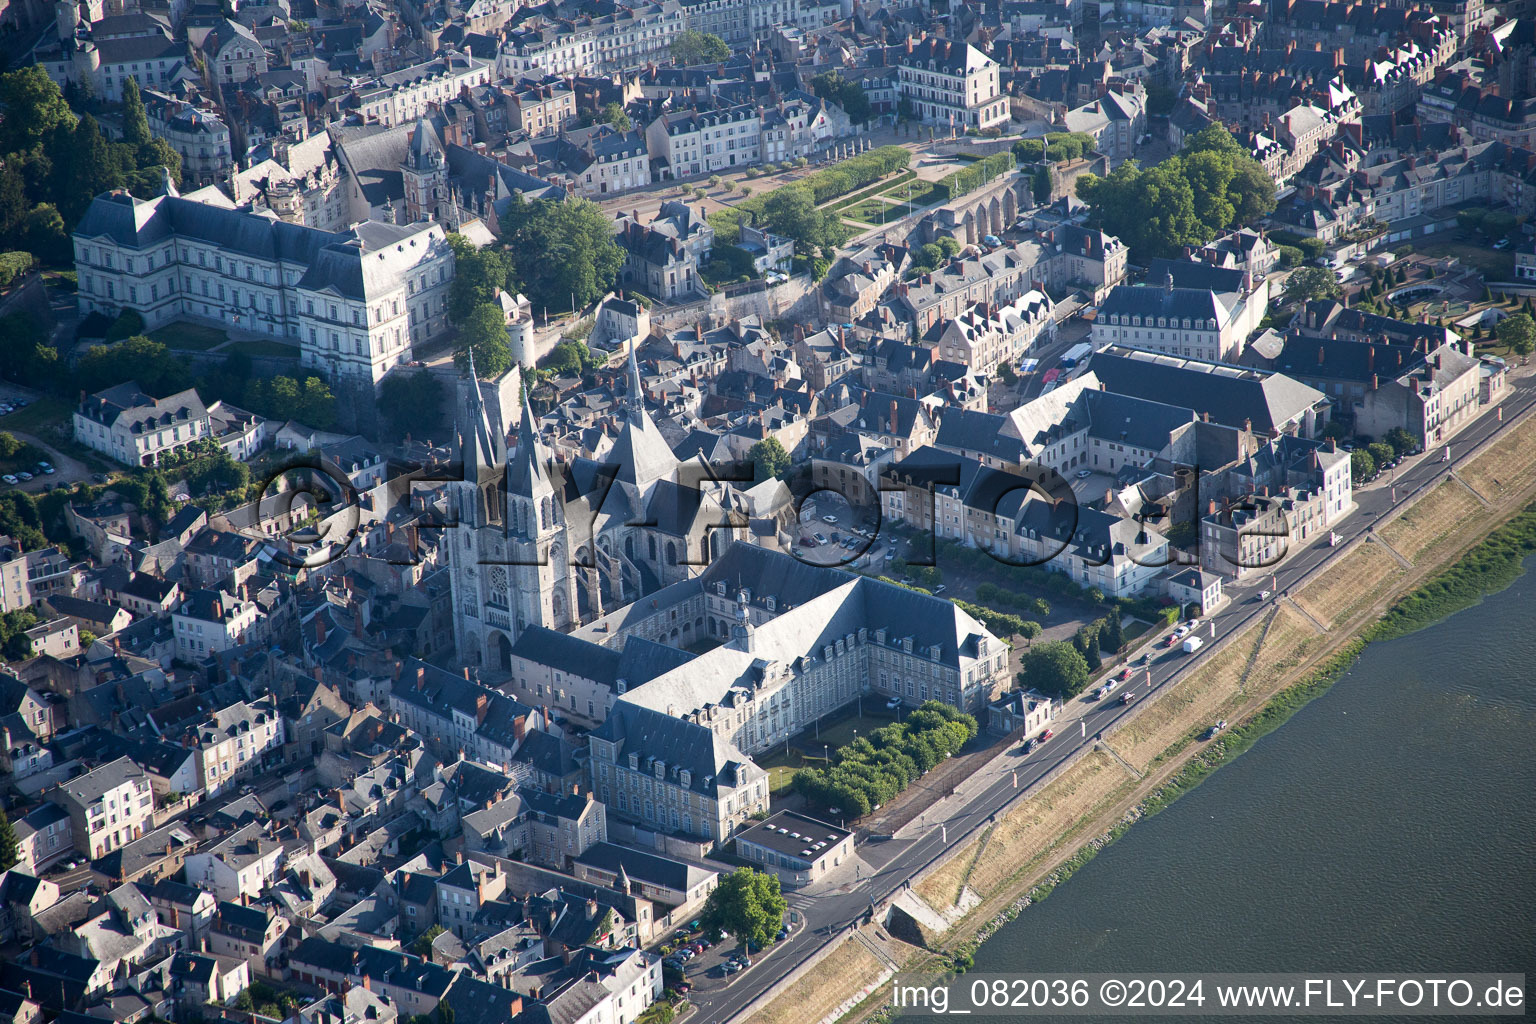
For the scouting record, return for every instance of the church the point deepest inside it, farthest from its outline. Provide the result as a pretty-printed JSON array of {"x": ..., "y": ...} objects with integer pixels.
[{"x": 543, "y": 542}]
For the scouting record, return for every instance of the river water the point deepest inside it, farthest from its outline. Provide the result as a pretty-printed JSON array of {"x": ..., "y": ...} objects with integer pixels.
[{"x": 1389, "y": 826}]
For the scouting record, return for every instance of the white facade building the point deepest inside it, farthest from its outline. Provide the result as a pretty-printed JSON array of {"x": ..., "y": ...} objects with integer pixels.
[{"x": 354, "y": 301}]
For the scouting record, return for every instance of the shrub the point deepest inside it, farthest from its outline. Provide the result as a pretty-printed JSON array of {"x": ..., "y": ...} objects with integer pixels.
[{"x": 13, "y": 265}]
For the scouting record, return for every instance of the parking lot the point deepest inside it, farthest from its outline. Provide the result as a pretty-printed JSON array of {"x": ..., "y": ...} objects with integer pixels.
[
  {"x": 831, "y": 532},
  {"x": 710, "y": 961}
]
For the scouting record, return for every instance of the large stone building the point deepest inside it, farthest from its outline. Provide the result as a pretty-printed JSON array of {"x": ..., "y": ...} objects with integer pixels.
[
  {"x": 801, "y": 641},
  {"x": 950, "y": 83},
  {"x": 354, "y": 301}
]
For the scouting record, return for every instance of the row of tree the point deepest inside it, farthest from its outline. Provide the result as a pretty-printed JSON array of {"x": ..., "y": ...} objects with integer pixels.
[
  {"x": 873, "y": 769},
  {"x": 1187, "y": 199}
]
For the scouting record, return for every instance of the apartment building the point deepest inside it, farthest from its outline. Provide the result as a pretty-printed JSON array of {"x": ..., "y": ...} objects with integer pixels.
[
  {"x": 949, "y": 83},
  {"x": 209, "y": 621},
  {"x": 236, "y": 740},
  {"x": 984, "y": 336},
  {"x": 401, "y": 97},
  {"x": 688, "y": 143},
  {"x": 108, "y": 807},
  {"x": 354, "y": 301}
]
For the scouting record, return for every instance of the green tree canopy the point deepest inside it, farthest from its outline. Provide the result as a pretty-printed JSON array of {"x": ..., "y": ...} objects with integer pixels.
[
  {"x": 613, "y": 113},
  {"x": 138, "y": 358},
  {"x": 791, "y": 211},
  {"x": 691, "y": 47},
  {"x": 33, "y": 107},
  {"x": 564, "y": 253},
  {"x": 1213, "y": 184},
  {"x": 1307, "y": 284},
  {"x": 1361, "y": 465},
  {"x": 478, "y": 274},
  {"x": 748, "y": 905},
  {"x": 135, "y": 120},
  {"x": 769, "y": 458},
  {"x": 484, "y": 332},
  {"x": 1519, "y": 333},
  {"x": 831, "y": 85},
  {"x": 1058, "y": 669}
]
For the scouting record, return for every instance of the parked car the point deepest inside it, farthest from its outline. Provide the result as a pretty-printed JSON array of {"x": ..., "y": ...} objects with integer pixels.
[
  {"x": 939, "y": 589},
  {"x": 808, "y": 542},
  {"x": 1046, "y": 735},
  {"x": 1030, "y": 745},
  {"x": 8, "y": 478},
  {"x": 1084, "y": 474},
  {"x": 821, "y": 538},
  {"x": 829, "y": 519},
  {"x": 893, "y": 703},
  {"x": 24, "y": 475}
]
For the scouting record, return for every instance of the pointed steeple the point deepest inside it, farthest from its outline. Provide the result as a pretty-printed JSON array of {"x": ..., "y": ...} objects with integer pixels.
[
  {"x": 634, "y": 402},
  {"x": 482, "y": 444},
  {"x": 527, "y": 472}
]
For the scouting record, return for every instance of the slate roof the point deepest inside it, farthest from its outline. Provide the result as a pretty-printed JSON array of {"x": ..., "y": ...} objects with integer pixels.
[{"x": 1232, "y": 395}]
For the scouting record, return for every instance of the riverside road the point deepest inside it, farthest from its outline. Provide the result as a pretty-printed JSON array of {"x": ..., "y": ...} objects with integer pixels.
[{"x": 894, "y": 861}]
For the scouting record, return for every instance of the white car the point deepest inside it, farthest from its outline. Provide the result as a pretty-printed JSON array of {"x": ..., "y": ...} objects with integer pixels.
[
  {"x": 8, "y": 478},
  {"x": 829, "y": 519}
]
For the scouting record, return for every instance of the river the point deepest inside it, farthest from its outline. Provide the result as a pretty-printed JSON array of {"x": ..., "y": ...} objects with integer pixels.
[{"x": 1389, "y": 826}]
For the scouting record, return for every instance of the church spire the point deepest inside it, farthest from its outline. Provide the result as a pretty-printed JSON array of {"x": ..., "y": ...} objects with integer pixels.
[
  {"x": 634, "y": 402},
  {"x": 527, "y": 473},
  {"x": 482, "y": 445}
]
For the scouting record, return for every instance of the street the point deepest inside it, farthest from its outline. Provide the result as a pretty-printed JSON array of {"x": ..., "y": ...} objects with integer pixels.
[{"x": 896, "y": 860}]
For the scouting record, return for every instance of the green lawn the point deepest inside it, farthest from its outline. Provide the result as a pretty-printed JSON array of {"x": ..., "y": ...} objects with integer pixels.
[
  {"x": 189, "y": 337},
  {"x": 262, "y": 347},
  {"x": 39, "y": 415},
  {"x": 1494, "y": 265},
  {"x": 807, "y": 750}
]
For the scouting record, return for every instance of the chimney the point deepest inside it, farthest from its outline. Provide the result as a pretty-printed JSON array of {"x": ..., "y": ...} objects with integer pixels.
[
  {"x": 1211, "y": 507},
  {"x": 319, "y": 630},
  {"x": 893, "y": 416},
  {"x": 1375, "y": 382}
]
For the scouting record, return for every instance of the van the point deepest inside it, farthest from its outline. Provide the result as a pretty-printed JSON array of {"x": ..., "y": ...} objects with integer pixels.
[{"x": 1192, "y": 644}]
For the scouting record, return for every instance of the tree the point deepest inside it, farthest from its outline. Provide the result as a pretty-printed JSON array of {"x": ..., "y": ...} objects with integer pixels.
[
  {"x": 478, "y": 275},
  {"x": 791, "y": 211},
  {"x": 422, "y": 947},
  {"x": 1111, "y": 636},
  {"x": 691, "y": 47},
  {"x": 1041, "y": 185},
  {"x": 1519, "y": 333},
  {"x": 135, "y": 121},
  {"x": 1401, "y": 441},
  {"x": 832, "y": 86},
  {"x": 484, "y": 332},
  {"x": 13, "y": 200},
  {"x": 411, "y": 402},
  {"x": 748, "y": 905},
  {"x": 33, "y": 107},
  {"x": 564, "y": 253},
  {"x": 1307, "y": 284},
  {"x": 1361, "y": 466},
  {"x": 138, "y": 358},
  {"x": 613, "y": 113},
  {"x": 1190, "y": 197},
  {"x": 1381, "y": 452},
  {"x": 769, "y": 458},
  {"x": 43, "y": 233},
  {"x": 1056, "y": 668},
  {"x": 8, "y": 857}
]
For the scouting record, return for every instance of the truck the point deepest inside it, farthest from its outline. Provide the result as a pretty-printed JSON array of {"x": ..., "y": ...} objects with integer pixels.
[
  {"x": 1192, "y": 644},
  {"x": 1076, "y": 354}
]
